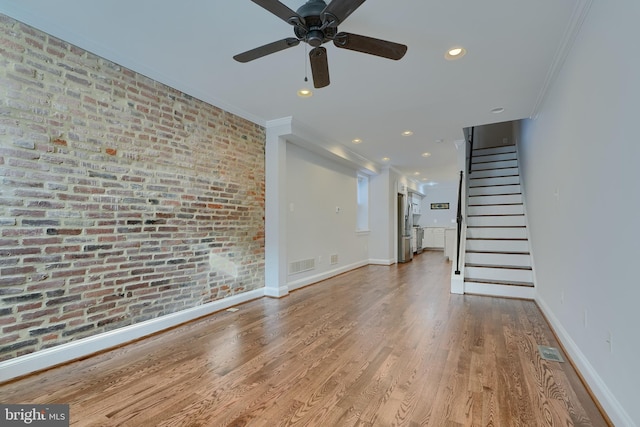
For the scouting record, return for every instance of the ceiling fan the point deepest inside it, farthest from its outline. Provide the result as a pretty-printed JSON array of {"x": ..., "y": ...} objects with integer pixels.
[{"x": 316, "y": 23}]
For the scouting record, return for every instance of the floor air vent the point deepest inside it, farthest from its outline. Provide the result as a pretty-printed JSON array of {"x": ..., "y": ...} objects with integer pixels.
[
  {"x": 550, "y": 353},
  {"x": 302, "y": 265}
]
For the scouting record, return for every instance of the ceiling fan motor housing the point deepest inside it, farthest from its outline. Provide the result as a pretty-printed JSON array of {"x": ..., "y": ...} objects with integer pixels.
[
  {"x": 311, "y": 8},
  {"x": 315, "y": 38},
  {"x": 314, "y": 31}
]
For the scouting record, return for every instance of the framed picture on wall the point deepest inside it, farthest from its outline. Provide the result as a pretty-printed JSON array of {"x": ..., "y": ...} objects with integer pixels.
[{"x": 439, "y": 205}]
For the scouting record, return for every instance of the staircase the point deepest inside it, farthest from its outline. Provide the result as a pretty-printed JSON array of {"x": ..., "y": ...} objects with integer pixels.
[{"x": 497, "y": 259}]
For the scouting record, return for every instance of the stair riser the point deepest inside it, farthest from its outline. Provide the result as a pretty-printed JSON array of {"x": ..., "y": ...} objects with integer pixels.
[
  {"x": 495, "y": 200},
  {"x": 522, "y": 292},
  {"x": 495, "y": 165},
  {"x": 508, "y": 260},
  {"x": 506, "y": 180},
  {"x": 498, "y": 245},
  {"x": 496, "y": 210},
  {"x": 494, "y": 172},
  {"x": 494, "y": 150},
  {"x": 488, "y": 221},
  {"x": 493, "y": 157},
  {"x": 500, "y": 189},
  {"x": 497, "y": 233},
  {"x": 503, "y": 274}
]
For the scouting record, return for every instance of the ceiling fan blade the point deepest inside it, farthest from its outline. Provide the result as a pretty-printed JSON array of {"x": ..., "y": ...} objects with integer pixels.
[
  {"x": 281, "y": 11},
  {"x": 319, "y": 67},
  {"x": 267, "y": 49},
  {"x": 364, "y": 44},
  {"x": 341, "y": 9}
]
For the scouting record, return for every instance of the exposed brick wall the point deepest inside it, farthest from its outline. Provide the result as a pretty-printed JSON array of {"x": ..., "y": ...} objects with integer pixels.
[{"x": 121, "y": 199}]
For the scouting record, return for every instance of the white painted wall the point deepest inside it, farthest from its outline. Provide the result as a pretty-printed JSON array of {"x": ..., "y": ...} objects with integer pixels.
[
  {"x": 382, "y": 218},
  {"x": 579, "y": 164},
  {"x": 446, "y": 192},
  {"x": 316, "y": 187}
]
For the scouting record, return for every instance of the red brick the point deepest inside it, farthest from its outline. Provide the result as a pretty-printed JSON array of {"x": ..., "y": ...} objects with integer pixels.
[{"x": 110, "y": 187}]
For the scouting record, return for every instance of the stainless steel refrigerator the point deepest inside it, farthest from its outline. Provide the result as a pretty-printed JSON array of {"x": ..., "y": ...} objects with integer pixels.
[{"x": 405, "y": 224}]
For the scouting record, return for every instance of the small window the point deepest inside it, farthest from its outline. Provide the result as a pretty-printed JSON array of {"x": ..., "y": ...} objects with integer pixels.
[{"x": 362, "y": 220}]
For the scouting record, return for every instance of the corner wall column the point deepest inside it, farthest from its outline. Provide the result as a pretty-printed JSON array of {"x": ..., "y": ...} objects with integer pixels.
[{"x": 275, "y": 208}]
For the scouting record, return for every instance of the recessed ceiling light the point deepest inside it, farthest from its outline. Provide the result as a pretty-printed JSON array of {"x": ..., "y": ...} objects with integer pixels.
[
  {"x": 356, "y": 141},
  {"x": 416, "y": 173},
  {"x": 385, "y": 159},
  {"x": 305, "y": 93},
  {"x": 439, "y": 141},
  {"x": 407, "y": 133},
  {"x": 426, "y": 154},
  {"x": 455, "y": 53},
  {"x": 497, "y": 110}
]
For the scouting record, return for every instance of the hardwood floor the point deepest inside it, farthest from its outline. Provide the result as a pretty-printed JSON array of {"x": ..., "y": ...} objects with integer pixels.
[{"x": 378, "y": 346}]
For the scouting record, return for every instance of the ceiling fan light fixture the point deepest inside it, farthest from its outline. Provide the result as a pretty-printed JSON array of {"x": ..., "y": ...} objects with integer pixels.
[
  {"x": 455, "y": 53},
  {"x": 305, "y": 93}
]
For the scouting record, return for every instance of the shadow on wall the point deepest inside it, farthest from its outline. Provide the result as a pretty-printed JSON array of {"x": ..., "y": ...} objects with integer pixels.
[{"x": 493, "y": 135}]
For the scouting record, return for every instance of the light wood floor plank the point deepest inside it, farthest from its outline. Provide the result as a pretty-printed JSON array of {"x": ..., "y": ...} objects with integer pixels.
[{"x": 378, "y": 346}]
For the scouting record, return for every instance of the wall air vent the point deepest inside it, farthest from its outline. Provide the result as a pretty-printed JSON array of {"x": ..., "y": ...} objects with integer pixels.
[
  {"x": 334, "y": 259},
  {"x": 302, "y": 265}
]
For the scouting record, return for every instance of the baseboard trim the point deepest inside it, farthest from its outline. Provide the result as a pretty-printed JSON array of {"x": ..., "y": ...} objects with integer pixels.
[
  {"x": 279, "y": 292},
  {"x": 389, "y": 261},
  {"x": 65, "y": 353},
  {"x": 607, "y": 401},
  {"x": 310, "y": 280}
]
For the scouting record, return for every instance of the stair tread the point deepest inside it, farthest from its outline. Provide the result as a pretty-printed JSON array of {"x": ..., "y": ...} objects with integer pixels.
[
  {"x": 482, "y": 215},
  {"x": 498, "y": 204},
  {"x": 493, "y": 161},
  {"x": 479, "y": 156},
  {"x": 520, "y": 239},
  {"x": 506, "y": 267},
  {"x": 492, "y": 169},
  {"x": 476, "y": 149},
  {"x": 496, "y": 226},
  {"x": 498, "y": 252},
  {"x": 501, "y": 176},
  {"x": 493, "y": 185},
  {"x": 499, "y": 282},
  {"x": 494, "y": 176},
  {"x": 496, "y": 194}
]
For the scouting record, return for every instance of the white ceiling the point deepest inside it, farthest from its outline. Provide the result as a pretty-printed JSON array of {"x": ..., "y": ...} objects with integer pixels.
[{"x": 512, "y": 46}]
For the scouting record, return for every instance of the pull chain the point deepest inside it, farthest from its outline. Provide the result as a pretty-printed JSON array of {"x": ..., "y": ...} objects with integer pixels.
[{"x": 305, "y": 63}]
